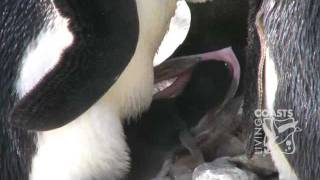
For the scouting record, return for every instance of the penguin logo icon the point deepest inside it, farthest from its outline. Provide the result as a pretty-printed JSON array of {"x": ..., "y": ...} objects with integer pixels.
[{"x": 283, "y": 131}]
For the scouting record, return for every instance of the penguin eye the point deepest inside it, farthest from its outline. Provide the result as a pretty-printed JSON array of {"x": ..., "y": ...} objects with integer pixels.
[{"x": 105, "y": 34}]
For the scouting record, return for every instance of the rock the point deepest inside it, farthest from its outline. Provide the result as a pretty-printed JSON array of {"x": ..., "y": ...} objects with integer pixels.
[{"x": 222, "y": 169}]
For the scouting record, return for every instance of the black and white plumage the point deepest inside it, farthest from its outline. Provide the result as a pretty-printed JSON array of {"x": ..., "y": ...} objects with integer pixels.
[
  {"x": 288, "y": 34},
  {"x": 74, "y": 69}
]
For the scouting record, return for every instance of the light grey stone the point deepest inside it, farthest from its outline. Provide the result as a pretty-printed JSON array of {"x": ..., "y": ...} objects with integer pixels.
[{"x": 222, "y": 169}]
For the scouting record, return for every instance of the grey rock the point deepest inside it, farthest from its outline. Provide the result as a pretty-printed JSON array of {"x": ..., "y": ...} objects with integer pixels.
[{"x": 222, "y": 169}]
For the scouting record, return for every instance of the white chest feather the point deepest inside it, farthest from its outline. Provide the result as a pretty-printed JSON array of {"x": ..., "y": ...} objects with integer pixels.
[
  {"x": 91, "y": 147},
  {"x": 132, "y": 93}
]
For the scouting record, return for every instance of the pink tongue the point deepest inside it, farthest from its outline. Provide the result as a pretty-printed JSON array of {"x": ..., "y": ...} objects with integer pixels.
[{"x": 225, "y": 55}]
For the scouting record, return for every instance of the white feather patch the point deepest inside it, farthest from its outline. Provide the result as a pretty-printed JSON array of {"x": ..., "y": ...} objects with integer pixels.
[
  {"x": 271, "y": 81},
  {"x": 43, "y": 53},
  {"x": 178, "y": 30},
  {"x": 271, "y": 84}
]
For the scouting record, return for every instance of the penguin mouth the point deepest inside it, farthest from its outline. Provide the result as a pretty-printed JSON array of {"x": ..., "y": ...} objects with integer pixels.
[{"x": 172, "y": 75}]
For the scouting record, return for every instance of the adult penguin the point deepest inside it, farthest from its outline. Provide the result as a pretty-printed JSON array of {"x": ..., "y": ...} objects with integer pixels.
[
  {"x": 70, "y": 71},
  {"x": 283, "y": 82}
]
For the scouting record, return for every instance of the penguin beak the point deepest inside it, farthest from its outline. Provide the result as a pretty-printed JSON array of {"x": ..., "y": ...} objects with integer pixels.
[
  {"x": 105, "y": 37},
  {"x": 173, "y": 74}
]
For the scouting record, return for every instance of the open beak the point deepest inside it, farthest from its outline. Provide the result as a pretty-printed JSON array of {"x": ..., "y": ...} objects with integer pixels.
[{"x": 173, "y": 74}]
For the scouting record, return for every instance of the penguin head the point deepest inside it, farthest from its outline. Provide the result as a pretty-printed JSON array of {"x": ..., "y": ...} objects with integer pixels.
[{"x": 78, "y": 52}]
